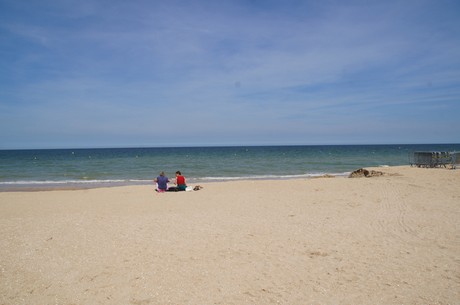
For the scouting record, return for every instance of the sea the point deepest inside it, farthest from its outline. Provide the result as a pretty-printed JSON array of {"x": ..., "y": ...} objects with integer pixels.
[{"x": 40, "y": 169}]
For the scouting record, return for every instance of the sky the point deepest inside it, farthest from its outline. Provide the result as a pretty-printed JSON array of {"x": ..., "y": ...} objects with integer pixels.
[{"x": 141, "y": 73}]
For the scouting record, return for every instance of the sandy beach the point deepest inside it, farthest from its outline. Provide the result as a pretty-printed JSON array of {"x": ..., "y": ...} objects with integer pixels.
[{"x": 391, "y": 239}]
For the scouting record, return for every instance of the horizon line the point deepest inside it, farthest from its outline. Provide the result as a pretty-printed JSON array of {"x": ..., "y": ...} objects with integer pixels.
[{"x": 222, "y": 146}]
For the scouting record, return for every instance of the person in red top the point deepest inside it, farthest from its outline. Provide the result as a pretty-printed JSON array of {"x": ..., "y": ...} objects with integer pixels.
[{"x": 180, "y": 181}]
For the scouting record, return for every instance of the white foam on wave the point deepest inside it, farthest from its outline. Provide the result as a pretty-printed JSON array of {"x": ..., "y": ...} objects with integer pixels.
[
  {"x": 269, "y": 177},
  {"x": 53, "y": 182},
  {"x": 118, "y": 182}
]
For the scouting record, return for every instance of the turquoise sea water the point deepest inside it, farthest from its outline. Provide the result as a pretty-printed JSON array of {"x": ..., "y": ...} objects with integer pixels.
[{"x": 120, "y": 166}]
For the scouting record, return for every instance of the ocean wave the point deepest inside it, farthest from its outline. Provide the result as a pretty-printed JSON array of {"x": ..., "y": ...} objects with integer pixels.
[
  {"x": 57, "y": 182},
  {"x": 147, "y": 181},
  {"x": 269, "y": 177}
]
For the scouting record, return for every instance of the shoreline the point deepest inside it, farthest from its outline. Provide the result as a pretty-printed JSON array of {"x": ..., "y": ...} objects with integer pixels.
[
  {"x": 38, "y": 186},
  {"x": 52, "y": 186},
  {"x": 389, "y": 239}
]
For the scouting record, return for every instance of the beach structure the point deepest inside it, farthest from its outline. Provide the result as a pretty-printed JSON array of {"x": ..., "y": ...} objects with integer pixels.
[{"x": 430, "y": 159}]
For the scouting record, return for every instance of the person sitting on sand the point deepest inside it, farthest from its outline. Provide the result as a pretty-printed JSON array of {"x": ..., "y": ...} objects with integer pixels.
[
  {"x": 180, "y": 181},
  {"x": 162, "y": 183}
]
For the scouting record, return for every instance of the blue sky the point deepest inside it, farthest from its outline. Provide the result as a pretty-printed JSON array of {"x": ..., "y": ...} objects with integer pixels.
[{"x": 190, "y": 73}]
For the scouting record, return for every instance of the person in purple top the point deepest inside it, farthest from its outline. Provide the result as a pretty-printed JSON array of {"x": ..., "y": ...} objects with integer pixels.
[{"x": 162, "y": 183}]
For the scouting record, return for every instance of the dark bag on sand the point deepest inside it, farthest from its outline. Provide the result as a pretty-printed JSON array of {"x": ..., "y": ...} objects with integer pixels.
[{"x": 173, "y": 189}]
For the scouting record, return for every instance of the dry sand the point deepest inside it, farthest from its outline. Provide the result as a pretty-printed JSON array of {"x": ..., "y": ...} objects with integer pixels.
[{"x": 391, "y": 239}]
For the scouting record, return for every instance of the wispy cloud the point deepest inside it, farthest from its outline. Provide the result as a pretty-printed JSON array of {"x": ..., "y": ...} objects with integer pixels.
[{"x": 179, "y": 73}]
